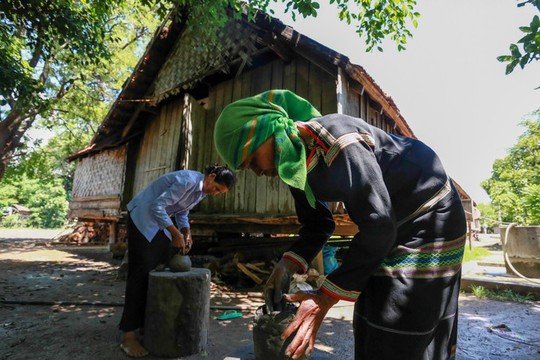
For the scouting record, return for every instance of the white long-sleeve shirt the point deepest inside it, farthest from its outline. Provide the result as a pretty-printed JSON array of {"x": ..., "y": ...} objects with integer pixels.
[{"x": 173, "y": 193}]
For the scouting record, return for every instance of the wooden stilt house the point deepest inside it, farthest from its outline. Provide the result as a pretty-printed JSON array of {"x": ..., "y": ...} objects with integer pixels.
[{"x": 163, "y": 120}]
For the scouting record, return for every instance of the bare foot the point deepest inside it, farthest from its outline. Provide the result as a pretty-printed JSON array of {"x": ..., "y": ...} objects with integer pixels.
[{"x": 131, "y": 346}]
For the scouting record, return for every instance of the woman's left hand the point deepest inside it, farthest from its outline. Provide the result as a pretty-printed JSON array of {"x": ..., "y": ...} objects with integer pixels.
[
  {"x": 189, "y": 242},
  {"x": 308, "y": 319},
  {"x": 187, "y": 238}
]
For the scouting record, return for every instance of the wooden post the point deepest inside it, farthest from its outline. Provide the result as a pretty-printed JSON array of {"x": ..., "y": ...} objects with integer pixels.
[
  {"x": 112, "y": 232},
  {"x": 177, "y": 313},
  {"x": 470, "y": 234}
]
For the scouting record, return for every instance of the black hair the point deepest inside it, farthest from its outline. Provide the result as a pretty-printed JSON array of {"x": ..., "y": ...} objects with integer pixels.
[{"x": 224, "y": 175}]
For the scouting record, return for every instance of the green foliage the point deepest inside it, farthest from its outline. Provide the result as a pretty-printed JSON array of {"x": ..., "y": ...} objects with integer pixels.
[
  {"x": 46, "y": 200},
  {"x": 95, "y": 86},
  {"x": 501, "y": 295},
  {"x": 40, "y": 180},
  {"x": 514, "y": 186},
  {"x": 13, "y": 221},
  {"x": 380, "y": 19},
  {"x": 488, "y": 215},
  {"x": 62, "y": 60},
  {"x": 41, "y": 39},
  {"x": 374, "y": 19},
  {"x": 39, "y": 177},
  {"x": 527, "y": 48},
  {"x": 8, "y": 195}
]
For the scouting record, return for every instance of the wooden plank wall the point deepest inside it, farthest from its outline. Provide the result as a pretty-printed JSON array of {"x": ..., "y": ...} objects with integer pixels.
[
  {"x": 168, "y": 144},
  {"x": 193, "y": 123},
  {"x": 352, "y": 103},
  {"x": 259, "y": 195},
  {"x": 159, "y": 147}
]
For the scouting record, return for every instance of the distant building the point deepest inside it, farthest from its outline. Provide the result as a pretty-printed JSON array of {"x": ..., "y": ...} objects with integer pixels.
[{"x": 22, "y": 211}]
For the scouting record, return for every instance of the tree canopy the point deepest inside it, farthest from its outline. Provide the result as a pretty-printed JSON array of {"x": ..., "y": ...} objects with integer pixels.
[
  {"x": 72, "y": 117},
  {"x": 63, "y": 63},
  {"x": 527, "y": 48},
  {"x": 514, "y": 186},
  {"x": 50, "y": 47}
]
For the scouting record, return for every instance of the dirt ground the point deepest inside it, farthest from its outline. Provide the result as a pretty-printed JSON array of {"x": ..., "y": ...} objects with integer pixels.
[{"x": 64, "y": 303}]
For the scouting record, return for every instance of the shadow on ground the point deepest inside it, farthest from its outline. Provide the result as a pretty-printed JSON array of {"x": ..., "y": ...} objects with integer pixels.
[{"x": 64, "y": 325}]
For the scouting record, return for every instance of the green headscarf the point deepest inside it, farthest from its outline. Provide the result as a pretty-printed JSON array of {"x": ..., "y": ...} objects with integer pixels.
[{"x": 245, "y": 124}]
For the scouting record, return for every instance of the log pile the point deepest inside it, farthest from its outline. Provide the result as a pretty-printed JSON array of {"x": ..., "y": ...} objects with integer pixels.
[
  {"x": 240, "y": 272},
  {"x": 86, "y": 233},
  {"x": 236, "y": 270}
]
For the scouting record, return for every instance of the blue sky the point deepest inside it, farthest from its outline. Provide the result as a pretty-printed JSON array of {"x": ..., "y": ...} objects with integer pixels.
[{"x": 448, "y": 84}]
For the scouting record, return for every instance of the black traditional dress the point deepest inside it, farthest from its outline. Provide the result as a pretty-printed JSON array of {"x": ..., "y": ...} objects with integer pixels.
[{"x": 403, "y": 266}]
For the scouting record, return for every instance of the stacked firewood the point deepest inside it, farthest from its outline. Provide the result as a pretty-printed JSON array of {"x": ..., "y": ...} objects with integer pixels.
[{"x": 86, "y": 233}]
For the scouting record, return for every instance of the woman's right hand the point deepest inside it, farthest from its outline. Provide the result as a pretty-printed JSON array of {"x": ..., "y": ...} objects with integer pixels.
[
  {"x": 177, "y": 239},
  {"x": 278, "y": 284}
]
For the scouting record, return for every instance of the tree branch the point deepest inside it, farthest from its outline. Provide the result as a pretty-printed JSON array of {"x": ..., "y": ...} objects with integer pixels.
[
  {"x": 138, "y": 34},
  {"x": 45, "y": 72},
  {"x": 64, "y": 88},
  {"x": 39, "y": 47}
]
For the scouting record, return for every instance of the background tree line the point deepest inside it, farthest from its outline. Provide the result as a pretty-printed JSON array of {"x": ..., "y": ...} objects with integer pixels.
[
  {"x": 64, "y": 62},
  {"x": 514, "y": 186},
  {"x": 61, "y": 80}
]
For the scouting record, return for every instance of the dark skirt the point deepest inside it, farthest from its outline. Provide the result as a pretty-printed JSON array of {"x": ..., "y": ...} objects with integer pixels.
[
  {"x": 409, "y": 309},
  {"x": 143, "y": 257}
]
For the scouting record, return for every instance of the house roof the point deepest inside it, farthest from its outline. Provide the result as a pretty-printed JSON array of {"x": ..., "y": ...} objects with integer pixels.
[
  {"x": 21, "y": 209},
  {"x": 119, "y": 126}
]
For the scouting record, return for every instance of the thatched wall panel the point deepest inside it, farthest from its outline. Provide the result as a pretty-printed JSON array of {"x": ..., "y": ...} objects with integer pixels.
[{"x": 101, "y": 174}]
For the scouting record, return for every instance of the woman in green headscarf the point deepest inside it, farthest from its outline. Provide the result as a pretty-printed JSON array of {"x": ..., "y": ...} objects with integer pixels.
[
  {"x": 403, "y": 266},
  {"x": 248, "y": 123}
]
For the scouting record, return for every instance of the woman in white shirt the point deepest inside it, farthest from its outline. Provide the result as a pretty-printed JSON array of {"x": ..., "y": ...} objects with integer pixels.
[{"x": 152, "y": 234}]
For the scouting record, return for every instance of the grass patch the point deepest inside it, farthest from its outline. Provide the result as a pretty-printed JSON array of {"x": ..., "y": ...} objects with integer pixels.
[
  {"x": 501, "y": 295},
  {"x": 475, "y": 254}
]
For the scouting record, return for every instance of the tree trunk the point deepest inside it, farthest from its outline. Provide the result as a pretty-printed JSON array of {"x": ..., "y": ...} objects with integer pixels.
[{"x": 12, "y": 130}]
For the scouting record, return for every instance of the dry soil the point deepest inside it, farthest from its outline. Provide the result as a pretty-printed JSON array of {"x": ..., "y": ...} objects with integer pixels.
[{"x": 64, "y": 303}]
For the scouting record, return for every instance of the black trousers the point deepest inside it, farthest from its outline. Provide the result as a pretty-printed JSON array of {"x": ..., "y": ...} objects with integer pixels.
[{"x": 143, "y": 257}]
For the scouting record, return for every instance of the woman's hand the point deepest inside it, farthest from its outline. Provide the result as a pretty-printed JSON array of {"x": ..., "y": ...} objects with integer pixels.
[
  {"x": 187, "y": 239},
  {"x": 306, "y": 322},
  {"x": 278, "y": 284},
  {"x": 177, "y": 239}
]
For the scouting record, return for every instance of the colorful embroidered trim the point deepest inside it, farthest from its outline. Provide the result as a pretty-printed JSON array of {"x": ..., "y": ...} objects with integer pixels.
[
  {"x": 335, "y": 291},
  {"x": 318, "y": 132},
  {"x": 300, "y": 261},
  {"x": 433, "y": 260},
  {"x": 325, "y": 145},
  {"x": 344, "y": 141},
  {"x": 452, "y": 353}
]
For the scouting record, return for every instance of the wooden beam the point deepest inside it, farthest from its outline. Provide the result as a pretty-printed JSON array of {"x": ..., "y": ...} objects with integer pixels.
[
  {"x": 96, "y": 198},
  {"x": 379, "y": 97},
  {"x": 132, "y": 120},
  {"x": 86, "y": 214}
]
